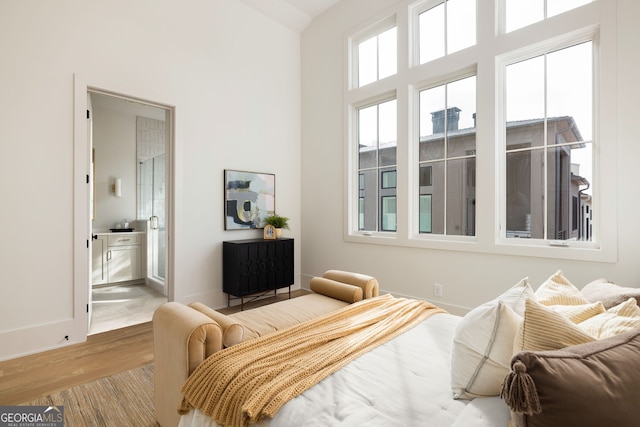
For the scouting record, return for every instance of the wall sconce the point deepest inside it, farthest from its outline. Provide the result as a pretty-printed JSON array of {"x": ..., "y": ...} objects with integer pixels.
[{"x": 117, "y": 187}]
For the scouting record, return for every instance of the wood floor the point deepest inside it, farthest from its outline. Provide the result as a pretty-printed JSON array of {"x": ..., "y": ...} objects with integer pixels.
[
  {"x": 27, "y": 378},
  {"x": 30, "y": 377}
]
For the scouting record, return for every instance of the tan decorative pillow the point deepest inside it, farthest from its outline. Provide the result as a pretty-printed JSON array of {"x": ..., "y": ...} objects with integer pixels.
[
  {"x": 579, "y": 313},
  {"x": 483, "y": 344},
  {"x": 232, "y": 332},
  {"x": 609, "y": 293},
  {"x": 544, "y": 329},
  {"x": 558, "y": 290},
  {"x": 619, "y": 319}
]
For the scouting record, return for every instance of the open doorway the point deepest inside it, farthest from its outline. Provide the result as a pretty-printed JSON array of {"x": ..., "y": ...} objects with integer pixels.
[{"x": 129, "y": 140}]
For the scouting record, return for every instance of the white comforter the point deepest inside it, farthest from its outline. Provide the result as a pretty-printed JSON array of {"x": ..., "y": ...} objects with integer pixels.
[{"x": 404, "y": 382}]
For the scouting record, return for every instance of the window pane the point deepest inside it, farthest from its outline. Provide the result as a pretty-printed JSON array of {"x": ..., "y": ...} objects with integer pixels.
[
  {"x": 461, "y": 197},
  {"x": 525, "y": 200},
  {"x": 388, "y": 48},
  {"x": 569, "y": 86},
  {"x": 368, "y": 137},
  {"x": 461, "y": 134},
  {"x": 436, "y": 191},
  {"x": 520, "y": 13},
  {"x": 432, "y": 101},
  {"x": 389, "y": 213},
  {"x": 525, "y": 96},
  {"x": 564, "y": 183},
  {"x": 431, "y": 23},
  {"x": 368, "y": 61},
  {"x": 388, "y": 132},
  {"x": 461, "y": 24},
  {"x": 368, "y": 201},
  {"x": 555, "y": 7}
]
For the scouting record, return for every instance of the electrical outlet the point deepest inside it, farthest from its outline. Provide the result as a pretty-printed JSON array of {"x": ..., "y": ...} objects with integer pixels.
[{"x": 437, "y": 290}]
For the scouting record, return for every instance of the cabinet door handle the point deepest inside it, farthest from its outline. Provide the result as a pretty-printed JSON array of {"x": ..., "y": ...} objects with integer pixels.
[{"x": 108, "y": 255}]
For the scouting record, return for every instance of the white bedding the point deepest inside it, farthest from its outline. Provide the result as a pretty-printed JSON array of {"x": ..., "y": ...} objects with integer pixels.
[{"x": 404, "y": 382}]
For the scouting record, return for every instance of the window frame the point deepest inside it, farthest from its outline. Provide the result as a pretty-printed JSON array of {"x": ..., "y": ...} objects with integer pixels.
[{"x": 493, "y": 45}]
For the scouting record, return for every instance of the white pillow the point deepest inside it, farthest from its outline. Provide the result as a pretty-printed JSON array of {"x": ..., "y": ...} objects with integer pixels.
[{"x": 483, "y": 344}]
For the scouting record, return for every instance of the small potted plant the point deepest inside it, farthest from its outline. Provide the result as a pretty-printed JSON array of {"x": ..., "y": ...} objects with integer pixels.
[{"x": 278, "y": 222}]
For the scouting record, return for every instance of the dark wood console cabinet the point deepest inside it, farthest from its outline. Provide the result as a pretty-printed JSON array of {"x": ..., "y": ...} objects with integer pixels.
[{"x": 256, "y": 266}]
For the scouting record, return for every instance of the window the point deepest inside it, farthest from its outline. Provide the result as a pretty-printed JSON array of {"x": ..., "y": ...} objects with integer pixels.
[
  {"x": 446, "y": 27},
  {"x": 478, "y": 137},
  {"x": 522, "y": 13},
  {"x": 548, "y": 143},
  {"x": 446, "y": 159},
  {"x": 377, "y": 143},
  {"x": 376, "y": 57}
]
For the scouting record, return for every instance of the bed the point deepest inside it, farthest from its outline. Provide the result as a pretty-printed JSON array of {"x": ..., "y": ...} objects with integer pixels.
[
  {"x": 403, "y": 382},
  {"x": 554, "y": 357}
]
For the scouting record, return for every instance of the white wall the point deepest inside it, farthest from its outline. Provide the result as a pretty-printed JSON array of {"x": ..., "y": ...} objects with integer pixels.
[
  {"x": 233, "y": 76},
  {"x": 468, "y": 278}
]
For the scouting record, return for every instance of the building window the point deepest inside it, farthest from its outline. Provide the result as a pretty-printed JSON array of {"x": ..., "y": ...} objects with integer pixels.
[
  {"x": 446, "y": 159},
  {"x": 389, "y": 179},
  {"x": 377, "y": 143},
  {"x": 388, "y": 213},
  {"x": 548, "y": 142},
  {"x": 425, "y": 213}
]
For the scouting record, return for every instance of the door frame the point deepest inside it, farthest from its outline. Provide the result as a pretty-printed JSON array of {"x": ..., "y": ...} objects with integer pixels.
[{"x": 82, "y": 210}]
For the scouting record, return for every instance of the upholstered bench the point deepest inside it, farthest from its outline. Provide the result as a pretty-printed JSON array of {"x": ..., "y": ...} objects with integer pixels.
[{"x": 185, "y": 335}]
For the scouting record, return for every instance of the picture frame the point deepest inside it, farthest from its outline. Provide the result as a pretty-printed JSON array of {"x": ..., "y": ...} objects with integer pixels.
[
  {"x": 249, "y": 197},
  {"x": 269, "y": 232}
]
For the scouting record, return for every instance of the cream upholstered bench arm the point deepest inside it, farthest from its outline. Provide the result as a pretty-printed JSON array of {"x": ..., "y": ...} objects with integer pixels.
[
  {"x": 369, "y": 284},
  {"x": 182, "y": 339}
]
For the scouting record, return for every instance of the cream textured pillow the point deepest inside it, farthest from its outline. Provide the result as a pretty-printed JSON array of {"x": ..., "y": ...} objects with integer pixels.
[
  {"x": 483, "y": 344},
  {"x": 579, "y": 313},
  {"x": 619, "y": 319},
  {"x": 544, "y": 329},
  {"x": 558, "y": 290}
]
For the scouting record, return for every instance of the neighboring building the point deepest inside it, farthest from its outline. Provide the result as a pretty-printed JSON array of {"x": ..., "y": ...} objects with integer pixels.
[{"x": 569, "y": 213}]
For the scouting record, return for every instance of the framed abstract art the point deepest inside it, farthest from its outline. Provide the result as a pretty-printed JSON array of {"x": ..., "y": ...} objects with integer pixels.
[{"x": 249, "y": 197}]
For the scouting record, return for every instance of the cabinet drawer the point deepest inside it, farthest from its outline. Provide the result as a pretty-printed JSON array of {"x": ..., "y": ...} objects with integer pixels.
[{"x": 123, "y": 240}]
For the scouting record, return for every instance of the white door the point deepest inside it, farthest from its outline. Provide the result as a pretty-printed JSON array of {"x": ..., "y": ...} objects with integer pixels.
[{"x": 91, "y": 205}]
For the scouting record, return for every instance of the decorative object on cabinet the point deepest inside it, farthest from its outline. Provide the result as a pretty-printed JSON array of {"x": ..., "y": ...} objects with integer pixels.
[
  {"x": 269, "y": 232},
  {"x": 279, "y": 222},
  {"x": 249, "y": 197},
  {"x": 254, "y": 267}
]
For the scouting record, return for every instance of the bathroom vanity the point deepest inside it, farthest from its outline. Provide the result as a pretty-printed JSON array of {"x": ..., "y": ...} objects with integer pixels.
[{"x": 118, "y": 257}]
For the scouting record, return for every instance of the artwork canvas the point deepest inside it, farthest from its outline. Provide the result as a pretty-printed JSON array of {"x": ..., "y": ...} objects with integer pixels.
[{"x": 250, "y": 197}]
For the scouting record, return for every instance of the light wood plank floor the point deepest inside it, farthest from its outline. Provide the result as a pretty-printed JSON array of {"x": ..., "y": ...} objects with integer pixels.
[
  {"x": 27, "y": 378},
  {"x": 30, "y": 377}
]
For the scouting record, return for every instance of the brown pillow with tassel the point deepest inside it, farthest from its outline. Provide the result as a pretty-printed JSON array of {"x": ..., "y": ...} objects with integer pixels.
[{"x": 594, "y": 384}]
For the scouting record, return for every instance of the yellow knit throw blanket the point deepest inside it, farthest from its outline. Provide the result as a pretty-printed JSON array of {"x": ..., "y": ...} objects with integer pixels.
[{"x": 253, "y": 379}]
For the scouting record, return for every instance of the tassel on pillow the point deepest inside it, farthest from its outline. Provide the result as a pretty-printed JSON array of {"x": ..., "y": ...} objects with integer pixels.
[{"x": 519, "y": 391}]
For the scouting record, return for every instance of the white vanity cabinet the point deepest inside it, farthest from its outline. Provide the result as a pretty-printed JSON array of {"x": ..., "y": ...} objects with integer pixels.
[{"x": 118, "y": 257}]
